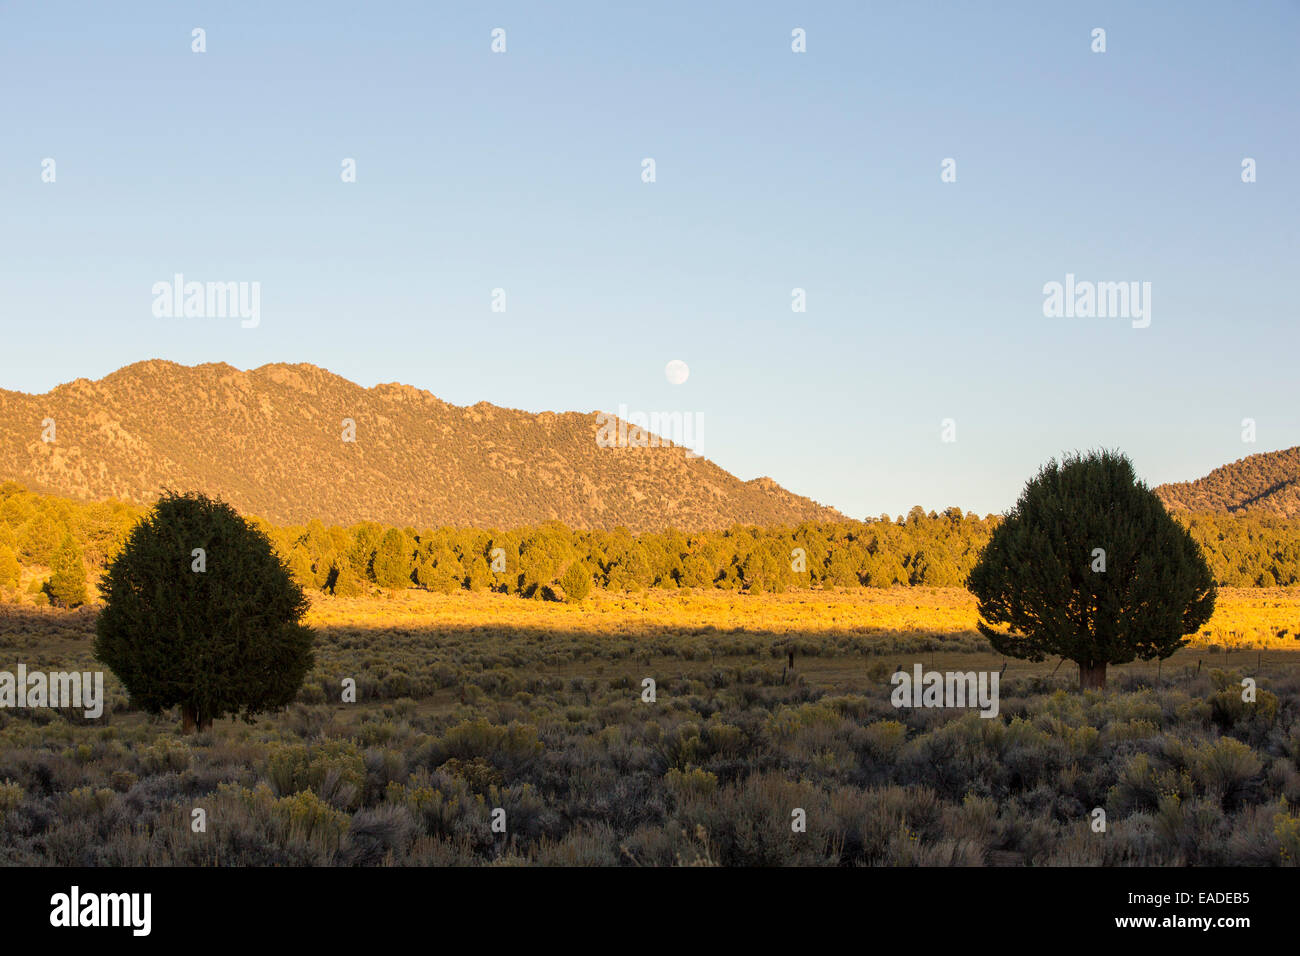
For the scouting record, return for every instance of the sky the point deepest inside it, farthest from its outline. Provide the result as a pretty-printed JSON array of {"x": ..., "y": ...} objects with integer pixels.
[{"x": 923, "y": 369}]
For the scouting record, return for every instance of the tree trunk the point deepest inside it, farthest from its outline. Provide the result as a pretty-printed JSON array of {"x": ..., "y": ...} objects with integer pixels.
[
  {"x": 187, "y": 719},
  {"x": 1092, "y": 676}
]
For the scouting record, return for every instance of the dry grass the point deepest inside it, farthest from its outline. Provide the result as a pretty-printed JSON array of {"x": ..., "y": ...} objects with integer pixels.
[
  {"x": 477, "y": 700},
  {"x": 1245, "y": 619}
]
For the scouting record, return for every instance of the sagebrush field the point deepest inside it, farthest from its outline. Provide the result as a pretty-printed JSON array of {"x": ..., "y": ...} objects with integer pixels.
[{"x": 472, "y": 701}]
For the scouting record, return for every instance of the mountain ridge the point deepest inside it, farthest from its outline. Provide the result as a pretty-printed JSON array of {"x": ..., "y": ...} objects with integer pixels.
[
  {"x": 1267, "y": 483},
  {"x": 271, "y": 441}
]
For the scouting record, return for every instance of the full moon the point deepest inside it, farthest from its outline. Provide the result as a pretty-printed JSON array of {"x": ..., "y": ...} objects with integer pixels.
[{"x": 677, "y": 371}]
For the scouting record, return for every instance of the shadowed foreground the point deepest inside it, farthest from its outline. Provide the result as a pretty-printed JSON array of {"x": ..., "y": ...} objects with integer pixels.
[{"x": 469, "y": 703}]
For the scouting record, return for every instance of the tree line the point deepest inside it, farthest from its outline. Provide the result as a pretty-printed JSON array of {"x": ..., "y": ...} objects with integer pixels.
[{"x": 73, "y": 540}]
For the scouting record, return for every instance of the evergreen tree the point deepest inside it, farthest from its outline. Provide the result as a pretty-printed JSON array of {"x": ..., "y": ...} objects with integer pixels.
[
  {"x": 762, "y": 571},
  {"x": 440, "y": 571},
  {"x": 362, "y": 546},
  {"x": 842, "y": 570},
  {"x": 632, "y": 571},
  {"x": 541, "y": 555},
  {"x": 576, "y": 581},
  {"x": 1089, "y": 566},
  {"x": 224, "y": 640},
  {"x": 39, "y": 539},
  {"x": 697, "y": 571},
  {"x": 67, "y": 585},
  {"x": 882, "y": 569},
  {"x": 326, "y": 568},
  {"x": 478, "y": 575},
  {"x": 10, "y": 572},
  {"x": 393, "y": 561},
  {"x": 344, "y": 581}
]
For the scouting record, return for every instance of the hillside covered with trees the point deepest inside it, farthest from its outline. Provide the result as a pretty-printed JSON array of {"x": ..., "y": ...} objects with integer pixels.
[
  {"x": 44, "y": 535},
  {"x": 1268, "y": 483}
]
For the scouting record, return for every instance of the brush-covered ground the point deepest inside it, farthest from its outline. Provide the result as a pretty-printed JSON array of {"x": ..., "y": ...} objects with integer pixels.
[{"x": 470, "y": 702}]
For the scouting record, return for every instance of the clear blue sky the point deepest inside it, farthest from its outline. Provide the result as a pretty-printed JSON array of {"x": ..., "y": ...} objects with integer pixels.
[{"x": 775, "y": 170}]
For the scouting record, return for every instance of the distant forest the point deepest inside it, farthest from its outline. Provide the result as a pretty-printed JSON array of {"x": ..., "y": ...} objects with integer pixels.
[{"x": 552, "y": 561}]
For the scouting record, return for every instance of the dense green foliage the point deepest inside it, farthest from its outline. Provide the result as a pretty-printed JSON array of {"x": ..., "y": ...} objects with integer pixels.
[
  {"x": 10, "y": 569},
  {"x": 934, "y": 550},
  {"x": 930, "y": 549},
  {"x": 200, "y": 612},
  {"x": 392, "y": 563},
  {"x": 67, "y": 586},
  {"x": 576, "y": 581},
  {"x": 1089, "y": 566}
]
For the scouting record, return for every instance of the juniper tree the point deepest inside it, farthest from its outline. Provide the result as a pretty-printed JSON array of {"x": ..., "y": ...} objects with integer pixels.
[
  {"x": 202, "y": 613},
  {"x": 576, "y": 581},
  {"x": 394, "y": 560},
  {"x": 440, "y": 571},
  {"x": 10, "y": 572},
  {"x": 542, "y": 553},
  {"x": 632, "y": 570},
  {"x": 477, "y": 574},
  {"x": 300, "y": 566},
  {"x": 697, "y": 571},
  {"x": 764, "y": 571},
  {"x": 67, "y": 585},
  {"x": 363, "y": 542},
  {"x": 39, "y": 539},
  {"x": 343, "y": 580},
  {"x": 1090, "y": 566}
]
